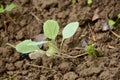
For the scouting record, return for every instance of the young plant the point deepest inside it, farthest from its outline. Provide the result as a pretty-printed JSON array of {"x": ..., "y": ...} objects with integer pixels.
[
  {"x": 112, "y": 22},
  {"x": 51, "y": 29},
  {"x": 89, "y": 2},
  {"x": 7, "y": 8},
  {"x": 92, "y": 51},
  {"x": 73, "y": 1}
]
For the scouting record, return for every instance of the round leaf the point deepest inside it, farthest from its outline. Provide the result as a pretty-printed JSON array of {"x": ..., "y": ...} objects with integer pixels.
[
  {"x": 89, "y": 1},
  {"x": 111, "y": 22},
  {"x": 70, "y": 30},
  {"x": 51, "y": 29},
  {"x": 24, "y": 48}
]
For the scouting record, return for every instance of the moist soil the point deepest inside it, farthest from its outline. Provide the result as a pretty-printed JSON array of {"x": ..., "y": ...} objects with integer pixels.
[{"x": 26, "y": 21}]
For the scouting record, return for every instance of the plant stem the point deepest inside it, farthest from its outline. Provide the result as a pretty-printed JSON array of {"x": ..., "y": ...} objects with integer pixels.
[
  {"x": 115, "y": 34},
  {"x": 61, "y": 44},
  {"x": 10, "y": 45}
]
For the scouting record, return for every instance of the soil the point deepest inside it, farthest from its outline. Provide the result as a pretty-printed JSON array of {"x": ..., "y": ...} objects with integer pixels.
[{"x": 26, "y": 21}]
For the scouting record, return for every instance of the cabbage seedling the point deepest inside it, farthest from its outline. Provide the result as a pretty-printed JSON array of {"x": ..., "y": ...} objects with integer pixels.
[{"x": 50, "y": 29}]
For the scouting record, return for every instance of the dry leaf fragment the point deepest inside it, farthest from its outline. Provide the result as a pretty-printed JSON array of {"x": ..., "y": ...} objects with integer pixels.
[
  {"x": 96, "y": 15},
  {"x": 40, "y": 37}
]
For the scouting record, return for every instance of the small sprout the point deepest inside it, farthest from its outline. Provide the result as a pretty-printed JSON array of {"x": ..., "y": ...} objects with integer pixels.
[
  {"x": 118, "y": 15},
  {"x": 111, "y": 22},
  {"x": 7, "y": 8},
  {"x": 73, "y": 1},
  {"x": 92, "y": 51},
  {"x": 89, "y": 2},
  {"x": 51, "y": 29},
  {"x": 1, "y": 8}
]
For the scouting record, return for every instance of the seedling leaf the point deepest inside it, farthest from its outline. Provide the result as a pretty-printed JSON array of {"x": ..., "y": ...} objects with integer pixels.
[
  {"x": 118, "y": 15},
  {"x": 90, "y": 49},
  {"x": 1, "y": 8},
  {"x": 51, "y": 29},
  {"x": 73, "y": 1},
  {"x": 89, "y": 1},
  {"x": 70, "y": 30},
  {"x": 37, "y": 43},
  {"x": 111, "y": 22},
  {"x": 24, "y": 48},
  {"x": 10, "y": 7}
]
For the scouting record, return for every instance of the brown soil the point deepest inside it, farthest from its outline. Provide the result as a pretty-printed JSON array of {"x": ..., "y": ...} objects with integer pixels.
[{"x": 21, "y": 24}]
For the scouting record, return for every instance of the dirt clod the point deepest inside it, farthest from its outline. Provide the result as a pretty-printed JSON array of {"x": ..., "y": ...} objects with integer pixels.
[{"x": 70, "y": 76}]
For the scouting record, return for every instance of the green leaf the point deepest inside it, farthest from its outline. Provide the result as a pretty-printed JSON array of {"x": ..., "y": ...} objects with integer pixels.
[
  {"x": 37, "y": 43},
  {"x": 10, "y": 7},
  {"x": 24, "y": 48},
  {"x": 73, "y": 1},
  {"x": 70, "y": 30},
  {"x": 111, "y": 22},
  {"x": 90, "y": 49},
  {"x": 89, "y": 1},
  {"x": 118, "y": 15},
  {"x": 1, "y": 8},
  {"x": 51, "y": 29}
]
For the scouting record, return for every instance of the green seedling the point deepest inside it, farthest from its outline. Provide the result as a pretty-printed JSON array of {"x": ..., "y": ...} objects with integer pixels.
[
  {"x": 51, "y": 29},
  {"x": 92, "y": 51},
  {"x": 89, "y": 2},
  {"x": 112, "y": 22},
  {"x": 7, "y": 8},
  {"x": 74, "y": 1}
]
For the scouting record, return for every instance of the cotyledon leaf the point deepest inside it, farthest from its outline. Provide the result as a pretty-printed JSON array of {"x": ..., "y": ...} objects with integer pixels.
[
  {"x": 51, "y": 29},
  {"x": 70, "y": 30},
  {"x": 24, "y": 48}
]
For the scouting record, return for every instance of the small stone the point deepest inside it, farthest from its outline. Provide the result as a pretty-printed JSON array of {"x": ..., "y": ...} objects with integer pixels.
[
  {"x": 36, "y": 55},
  {"x": 70, "y": 76},
  {"x": 89, "y": 71},
  {"x": 19, "y": 64},
  {"x": 43, "y": 77},
  {"x": 65, "y": 67}
]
